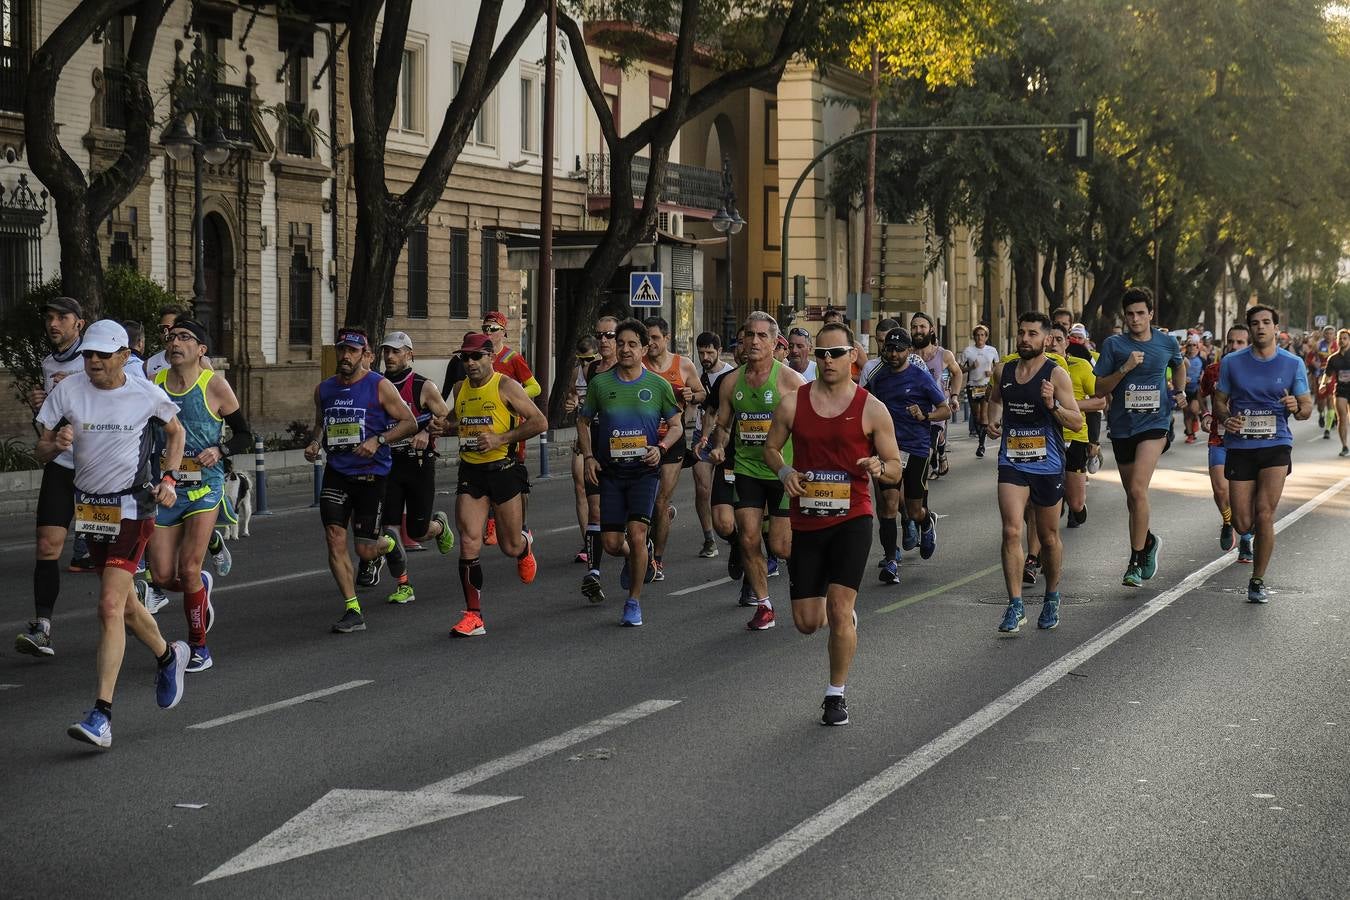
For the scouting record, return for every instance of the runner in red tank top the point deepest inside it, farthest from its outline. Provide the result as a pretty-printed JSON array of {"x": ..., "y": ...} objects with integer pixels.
[{"x": 842, "y": 437}]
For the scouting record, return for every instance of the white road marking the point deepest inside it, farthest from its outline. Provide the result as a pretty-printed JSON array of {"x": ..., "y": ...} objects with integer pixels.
[
  {"x": 9, "y": 687},
  {"x": 779, "y": 852},
  {"x": 280, "y": 704},
  {"x": 700, "y": 587},
  {"x": 260, "y": 582},
  {"x": 560, "y": 530},
  {"x": 345, "y": 816}
]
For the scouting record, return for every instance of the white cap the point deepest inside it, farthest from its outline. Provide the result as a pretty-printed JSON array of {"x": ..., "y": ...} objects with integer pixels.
[
  {"x": 105, "y": 336},
  {"x": 1192, "y": 338},
  {"x": 397, "y": 340},
  {"x": 1079, "y": 330}
]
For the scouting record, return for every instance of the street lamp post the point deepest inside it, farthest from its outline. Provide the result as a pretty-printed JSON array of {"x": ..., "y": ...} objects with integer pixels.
[{"x": 728, "y": 221}]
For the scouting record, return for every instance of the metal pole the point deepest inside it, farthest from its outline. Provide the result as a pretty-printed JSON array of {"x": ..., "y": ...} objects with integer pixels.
[
  {"x": 260, "y": 477},
  {"x": 545, "y": 297},
  {"x": 201, "y": 307}
]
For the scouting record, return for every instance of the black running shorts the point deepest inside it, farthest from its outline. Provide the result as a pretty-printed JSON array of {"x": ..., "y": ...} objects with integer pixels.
[
  {"x": 1246, "y": 464},
  {"x": 411, "y": 488},
  {"x": 1125, "y": 448},
  {"x": 826, "y": 556},
  {"x": 357, "y": 500},
  {"x": 500, "y": 481}
]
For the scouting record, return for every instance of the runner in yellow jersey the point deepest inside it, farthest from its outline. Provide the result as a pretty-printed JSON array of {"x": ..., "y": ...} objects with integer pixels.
[{"x": 1076, "y": 445}]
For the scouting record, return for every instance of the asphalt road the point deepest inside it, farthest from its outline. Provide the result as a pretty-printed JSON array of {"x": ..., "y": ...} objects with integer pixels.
[{"x": 1166, "y": 741}]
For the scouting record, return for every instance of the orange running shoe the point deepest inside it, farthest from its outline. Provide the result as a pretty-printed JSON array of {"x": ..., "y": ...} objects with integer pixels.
[
  {"x": 527, "y": 568},
  {"x": 490, "y": 538},
  {"x": 471, "y": 625}
]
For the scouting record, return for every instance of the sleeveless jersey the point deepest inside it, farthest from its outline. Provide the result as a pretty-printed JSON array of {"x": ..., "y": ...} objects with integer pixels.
[
  {"x": 1033, "y": 441},
  {"x": 675, "y": 375},
  {"x": 351, "y": 414},
  {"x": 751, "y": 412},
  {"x": 828, "y": 451},
  {"x": 481, "y": 410},
  {"x": 409, "y": 385},
  {"x": 203, "y": 429},
  {"x": 937, "y": 367}
]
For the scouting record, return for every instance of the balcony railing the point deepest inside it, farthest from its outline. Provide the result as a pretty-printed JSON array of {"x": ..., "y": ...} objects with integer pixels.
[
  {"x": 114, "y": 102},
  {"x": 233, "y": 107},
  {"x": 11, "y": 79},
  {"x": 298, "y": 139},
  {"x": 688, "y": 186}
]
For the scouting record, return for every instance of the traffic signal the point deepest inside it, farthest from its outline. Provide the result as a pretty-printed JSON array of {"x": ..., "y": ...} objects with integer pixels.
[
  {"x": 1080, "y": 138},
  {"x": 799, "y": 291}
]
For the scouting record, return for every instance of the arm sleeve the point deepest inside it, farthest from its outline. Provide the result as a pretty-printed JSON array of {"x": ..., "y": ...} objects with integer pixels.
[
  {"x": 532, "y": 388},
  {"x": 241, "y": 437}
]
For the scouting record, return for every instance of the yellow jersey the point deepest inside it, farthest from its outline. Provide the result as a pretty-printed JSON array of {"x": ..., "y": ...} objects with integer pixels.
[
  {"x": 481, "y": 410},
  {"x": 1084, "y": 383}
]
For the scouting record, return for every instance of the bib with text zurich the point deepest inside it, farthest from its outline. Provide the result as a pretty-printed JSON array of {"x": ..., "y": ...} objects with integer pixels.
[
  {"x": 98, "y": 517},
  {"x": 754, "y": 427},
  {"x": 1026, "y": 444},
  {"x": 827, "y": 493},
  {"x": 1258, "y": 423},
  {"x": 344, "y": 428},
  {"x": 1142, "y": 398},
  {"x": 627, "y": 444}
]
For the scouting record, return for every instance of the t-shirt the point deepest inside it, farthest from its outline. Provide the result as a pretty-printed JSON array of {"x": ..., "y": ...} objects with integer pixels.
[
  {"x": 156, "y": 364},
  {"x": 870, "y": 368},
  {"x": 1142, "y": 401},
  {"x": 1195, "y": 367},
  {"x": 911, "y": 385},
  {"x": 980, "y": 362},
  {"x": 1338, "y": 367},
  {"x": 634, "y": 412},
  {"x": 1256, "y": 388},
  {"x": 113, "y": 444},
  {"x": 67, "y": 362},
  {"x": 512, "y": 365},
  {"x": 1084, "y": 384}
]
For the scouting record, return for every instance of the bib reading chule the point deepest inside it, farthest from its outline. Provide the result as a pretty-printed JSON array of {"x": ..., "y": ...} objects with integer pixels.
[
  {"x": 753, "y": 427},
  {"x": 1143, "y": 398},
  {"x": 98, "y": 517},
  {"x": 1258, "y": 423},
  {"x": 1026, "y": 444},
  {"x": 625, "y": 445},
  {"x": 827, "y": 493}
]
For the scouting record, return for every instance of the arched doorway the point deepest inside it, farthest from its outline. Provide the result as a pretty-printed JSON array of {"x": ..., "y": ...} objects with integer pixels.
[{"x": 218, "y": 268}]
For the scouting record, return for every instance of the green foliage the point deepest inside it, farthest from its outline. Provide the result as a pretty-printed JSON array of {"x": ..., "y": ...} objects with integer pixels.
[{"x": 16, "y": 456}]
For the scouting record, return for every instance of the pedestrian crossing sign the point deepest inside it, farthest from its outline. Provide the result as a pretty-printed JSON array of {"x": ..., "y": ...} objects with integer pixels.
[{"x": 644, "y": 288}]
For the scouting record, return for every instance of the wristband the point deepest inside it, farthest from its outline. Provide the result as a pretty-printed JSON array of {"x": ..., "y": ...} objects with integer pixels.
[
  {"x": 584, "y": 458},
  {"x": 785, "y": 472},
  {"x": 169, "y": 478}
]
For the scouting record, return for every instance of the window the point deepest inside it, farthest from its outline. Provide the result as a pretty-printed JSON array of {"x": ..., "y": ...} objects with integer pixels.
[
  {"x": 13, "y": 52},
  {"x": 459, "y": 273},
  {"x": 488, "y": 265},
  {"x": 611, "y": 78},
  {"x": 485, "y": 126},
  {"x": 121, "y": 252},
  {"x": 298, "y": 141},
  {"x": 409, "y": 115},
  {"x": 658, "y": 89},
  {"x": 21, "y": 219},
  {"x": 529, "y": 115},
  {"x": 302, "y": 298},
  {"x": 115, "y": 36},
  {"x": 417, "y": 273}
]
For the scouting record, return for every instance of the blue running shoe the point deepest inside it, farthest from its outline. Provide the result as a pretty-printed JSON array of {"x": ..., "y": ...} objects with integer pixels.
[
  {"x": 94, "y": 729},
  {"x": 201, "y": 659},
  {"x": 772, "y": 565},
  {"x": 632, "y": 614},
  {"x": 169, "y": 679},
  {"x": 1150, "y": 564},
  {"x": 1256, "y": 591},
  {"x": 928, "y": 542},
  {"x": 1013, "y": 618},
  {"x": 910, "y": 539},
  {"x": 889, "y": 573},
  {"x": 1049, "y": 617},
  {"x": 1246, "y": 550}
]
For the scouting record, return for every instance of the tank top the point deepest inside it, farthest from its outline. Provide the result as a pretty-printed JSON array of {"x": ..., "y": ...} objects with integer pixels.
[
  {"x": 938, "y": 368},
  {"x": 1032, "y": 441},
  {"x": 674, "y": 375},
  {"x": 203, "y": 429},
  {"x": 581, "y": 383},
  {"x": 751, "y": 412},
  {"x": 481, "y": 410},
  {"x": 351, "y": 414},
  {"x": 409, "y": 385},
  {"x": 827, "y": 456}
]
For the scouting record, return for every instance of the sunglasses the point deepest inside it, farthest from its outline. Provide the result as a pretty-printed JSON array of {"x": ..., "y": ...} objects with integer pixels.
[
  {"x": 90, "y": 354},
  {"x": 475, "y": 355},
  {"x": 492, "y": 328},
  {"x": 799, "y": 332},
  {"x": 606, "y": 335},
  {"x": 831, "y": 352}
]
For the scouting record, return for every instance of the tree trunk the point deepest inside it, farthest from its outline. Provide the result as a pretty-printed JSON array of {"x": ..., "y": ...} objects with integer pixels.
[
  {"x": 1024, "y": 276},
  {"x": 81, "y": 261},
  {"x": 375, "y": 254}
]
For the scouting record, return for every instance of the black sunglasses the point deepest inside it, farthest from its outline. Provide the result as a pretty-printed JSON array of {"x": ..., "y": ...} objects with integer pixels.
[
  {"x": 90, "y": 354},
  {"x": 601, "y": 335},
  {"x": 799, "y": 332},
  {"x": 831, "y": 352},
  {"x": 475, "y": 355}
]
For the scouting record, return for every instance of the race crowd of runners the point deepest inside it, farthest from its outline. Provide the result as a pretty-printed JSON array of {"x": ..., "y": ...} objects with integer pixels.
[{"x": 796, "y": 445}]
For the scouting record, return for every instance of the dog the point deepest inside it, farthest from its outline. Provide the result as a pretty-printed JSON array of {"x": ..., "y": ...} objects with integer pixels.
[{"x": 239, "y": 493}]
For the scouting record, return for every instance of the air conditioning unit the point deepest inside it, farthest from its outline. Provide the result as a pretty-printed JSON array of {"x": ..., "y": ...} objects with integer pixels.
[{"x": 671, "y": 223}]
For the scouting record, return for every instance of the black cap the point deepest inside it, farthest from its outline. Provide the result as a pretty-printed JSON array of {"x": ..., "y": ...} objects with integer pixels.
[
  {"x": 898, "y": 339},
  {"x": 66, "y": 305}
]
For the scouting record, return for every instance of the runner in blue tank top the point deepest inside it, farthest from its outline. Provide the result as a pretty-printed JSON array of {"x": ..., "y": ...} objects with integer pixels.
[
  {"x": 1132, "y": 371},
  {"x": 357, "y": 415},
  {"x": 1030, "y": 405},
  {"x": 1259, "y": 389}
]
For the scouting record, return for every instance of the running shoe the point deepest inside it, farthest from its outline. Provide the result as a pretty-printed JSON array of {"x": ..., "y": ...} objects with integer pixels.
[
  {"x": 835, "y": 711},
  {"x": 490, "y": 534},
  {"x": 910, "y": 538},
  {"x": 155, "y": 598},
  {"x": 1080, "y": 517},
  {"x": 368, "y": 572},
  {"x": 1149, "y": 568},
  {"x": 34, "y": 641},
  {"x": 651, "y": 563},
  {"x": 735, "y": 568},
  {"x": 747, "y": 595},
  {"x": 1071, "y": 521},
  {"x": 889, "y": 573},
  {"x": 221, "y": 559},
  {"x": 762, "y": 620},
  {"x": 1246, "y": 552},
  {"x": 1326, "y": 434},
  {"x": 591, "y": 589},
  {"x": 943, "y": 466},
  {"x": 979, "y": 452},
  {"x": 209, "y": 583},
  {"x": 632, "y": 614},
  {"x": 1094, "y": 464},
  {"x": 1134, "y": 576},
  {"x": 1049, "y": 617},
  {"x": 1256, "y": 591},
  {"x": 1345, "y": 451},
  {"x": 1227, "y": 537},
  {"x": 928, "y": 541},
  {"x": 1190, "y": 439},
  {"x": 581, "y": 557},
  {"x": 1030, "y": 569},
  {"x": 81, "y": 565},
  {"x": 94, "y": 729},
  {"x": 771, "y": 564},
  {"x": 709, "y": 550},
  {"x": 445, "y": 541},
  {"x": 169, "y": 679},
  {"x": 1321, "y": 420},
  {"x": 660, "y": 571},
  {"x": 527, "y": 568},
  {"x": 351, "y": 621},
  {"x": 469, "y": 625},
  {"x": 1014, "y": 617},
  {"x": 200, "y": 660},
  {"x": 402, "y": 594}
]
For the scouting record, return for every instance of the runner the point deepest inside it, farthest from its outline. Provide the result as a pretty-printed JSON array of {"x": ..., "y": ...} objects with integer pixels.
[
  {"x": 357, "y": 415},
  {"x": 1076, "y": 447},
  {"x": 843, "y": 438},
  {"x": 605, "y": 335},
  {"x": 799, "y": 353},
  {"x": 1337, "y": 378},
  {"x": 495, "y": 414},
  {"x": 1326, "y": 407},
  {"x": 914, "y": 402},
  {"x": 410, "y": 488},
  {"x": 511, "y": 364},
  {"x": 977, "y": 362},
  {"x": 103, "y": 417},
  {"x": 1030, "y": 404},
  {"x": 157, "y": 363},
  {"x": 942, "y": 365},
  {"x": 1260, "y": 387},
  {"x": 688, "y": 389},
  {"x": 641, "y": 422},
  {"x": 1195, "y": 367},
  {"x": 780, "y": 349},
  {"x": 586, "y": 352},
  {"x": 1209, "y": 382},
  {"x": 1080, "y": 345},
  {"x": 710, "y": 361},
  {"x": 136, "y": 358},
  {"x": 723, "y": 489},
  {"x": 1131, "y": 371},
  {"x": 64, "y": 320},
  {"x": 183, "y": 530},
  {"x": 749, "y": 399},
  {"x": 876, "y": 362},
  {"x": 836, "y": 317}
]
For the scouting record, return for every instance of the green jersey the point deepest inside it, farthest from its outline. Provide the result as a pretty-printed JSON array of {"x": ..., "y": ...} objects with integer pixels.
[{"x": 751, "y": 412}]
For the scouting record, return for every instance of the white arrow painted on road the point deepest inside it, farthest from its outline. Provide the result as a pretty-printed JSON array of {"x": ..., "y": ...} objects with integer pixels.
[{"x": 345, "y": 816}]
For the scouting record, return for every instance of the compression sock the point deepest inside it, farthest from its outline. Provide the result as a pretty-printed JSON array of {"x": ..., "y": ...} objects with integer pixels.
[
  {"x": 1227, "y": 515},
  {"x": 46, "y": 586},
  {"x": 889, "y": 533},
  {"x": 595, "y": 550},
  {"x": 354, "y": 605},
  {"x": 215, "y": 544},
  {"x": 394, "y": 556},
  {"x": 194, "y": 607},
  {"x": 471, "y": 579},
  {"x": 105, "y": 707}
]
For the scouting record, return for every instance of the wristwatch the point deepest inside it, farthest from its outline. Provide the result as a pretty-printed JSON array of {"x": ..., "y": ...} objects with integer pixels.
[{"x": 381, "y": 439}]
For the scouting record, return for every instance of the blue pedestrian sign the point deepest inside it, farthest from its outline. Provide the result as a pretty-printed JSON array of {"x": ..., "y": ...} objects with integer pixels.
[{"x": 644, "y": 288}]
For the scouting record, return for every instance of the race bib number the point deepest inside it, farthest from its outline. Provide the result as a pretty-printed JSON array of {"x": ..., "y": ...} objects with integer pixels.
[
  {"x": 977, "y": 392},
  {"x": 754, "y": 428},
  {"x": 473, "y": 427},
  {"x": 1258, "y": 424},
  {"x": 189, "y": 471},
  {"x": 827, "y": 493},
  {"x": 729, "y": 475},
  {"x": 1026, "y": 446},
  {"x": 343, "y": 433},
  {"x": 98, "y": 518},
  {"x": 1343, "y": 376},
  {"x": 1143, "y": 399},
  {"x": 626, "y": 445}
]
